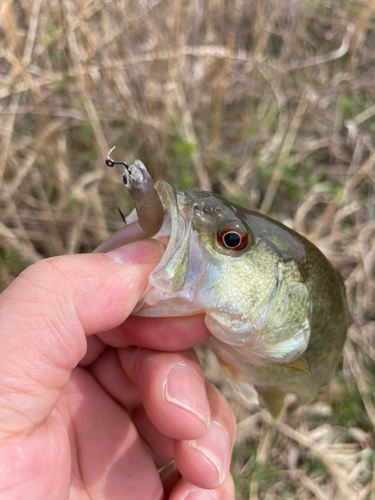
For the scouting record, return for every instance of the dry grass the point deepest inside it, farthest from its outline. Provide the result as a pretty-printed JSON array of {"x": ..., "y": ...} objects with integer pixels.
[{"x": 270, "y": 103}]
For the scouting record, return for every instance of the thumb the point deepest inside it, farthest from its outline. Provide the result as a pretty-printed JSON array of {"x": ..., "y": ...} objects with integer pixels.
[{"x": 45, "y": 315}]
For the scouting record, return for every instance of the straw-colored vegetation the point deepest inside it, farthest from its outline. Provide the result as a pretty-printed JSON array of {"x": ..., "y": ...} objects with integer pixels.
[{"x": 271, "y": 104}]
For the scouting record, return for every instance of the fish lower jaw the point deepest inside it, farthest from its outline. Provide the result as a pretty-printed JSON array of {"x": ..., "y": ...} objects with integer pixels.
[
  {"x": 223, "y": 329},
  {"x": 250, "y": 345},
  {"x": 157, "y": 304}
]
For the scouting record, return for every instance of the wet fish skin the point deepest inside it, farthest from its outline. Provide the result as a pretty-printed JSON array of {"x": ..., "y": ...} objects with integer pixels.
[{"x": 276, "y": 309}]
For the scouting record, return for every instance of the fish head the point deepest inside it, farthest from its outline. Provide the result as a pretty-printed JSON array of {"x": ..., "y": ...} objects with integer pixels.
[{"x": 234, "y": 266}]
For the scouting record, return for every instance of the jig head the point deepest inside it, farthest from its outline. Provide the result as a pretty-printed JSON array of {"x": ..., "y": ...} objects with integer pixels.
[
  {"x": 147, "y": 203},
  {"x": 111, "y": 163}
]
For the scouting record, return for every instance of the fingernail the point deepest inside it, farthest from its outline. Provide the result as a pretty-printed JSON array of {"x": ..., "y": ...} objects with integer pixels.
[
  {"x": 199, "y": 494},
  {"x": 185, "y": 389},
  {"x": 215, "y": 447},
  {"x": 139, "y": 252}
]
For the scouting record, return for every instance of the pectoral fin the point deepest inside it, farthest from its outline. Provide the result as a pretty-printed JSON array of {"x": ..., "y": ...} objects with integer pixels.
[
  {"x": 273, "y": 399},
  {"x": 298, "y": 365}
]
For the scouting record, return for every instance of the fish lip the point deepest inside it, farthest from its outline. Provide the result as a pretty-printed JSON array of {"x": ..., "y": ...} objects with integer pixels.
[
  {"x": 176, "y": 228},
  {"x": 173, "y": 210}
]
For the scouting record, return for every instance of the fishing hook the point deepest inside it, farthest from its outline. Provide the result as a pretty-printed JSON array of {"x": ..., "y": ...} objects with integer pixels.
[{"x": 111, "y": 163}]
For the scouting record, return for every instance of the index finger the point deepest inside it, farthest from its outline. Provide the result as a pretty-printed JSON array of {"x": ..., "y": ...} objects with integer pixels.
[{"x": 160, "y": 334}]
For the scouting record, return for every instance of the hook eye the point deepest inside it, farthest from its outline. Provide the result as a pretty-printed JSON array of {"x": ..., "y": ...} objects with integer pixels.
[{"x": 111, "y": 163}]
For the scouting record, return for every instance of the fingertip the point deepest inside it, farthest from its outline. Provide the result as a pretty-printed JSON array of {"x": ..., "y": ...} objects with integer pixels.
[
  {"x": 140, "y": 252},
  {"x": 172, "y": 389},
  {"x": 184, "y": 490},
  {"x": 205, "y": 461}
]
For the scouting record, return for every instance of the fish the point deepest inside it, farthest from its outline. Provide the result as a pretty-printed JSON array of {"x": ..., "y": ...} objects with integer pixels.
[{"x": 274, "y": 305}]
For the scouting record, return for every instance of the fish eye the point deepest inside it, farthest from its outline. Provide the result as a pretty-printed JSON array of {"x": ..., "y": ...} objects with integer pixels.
[{"x": 233, "y": 237}]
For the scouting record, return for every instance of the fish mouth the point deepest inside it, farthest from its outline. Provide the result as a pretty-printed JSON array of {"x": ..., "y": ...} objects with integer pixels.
[
  {"x": 172, "y": 284},
  {"x": 170, "y": 273}
]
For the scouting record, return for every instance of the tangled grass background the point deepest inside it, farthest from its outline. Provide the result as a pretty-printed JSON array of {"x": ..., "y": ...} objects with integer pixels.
[{"x": 271, "y": 104}]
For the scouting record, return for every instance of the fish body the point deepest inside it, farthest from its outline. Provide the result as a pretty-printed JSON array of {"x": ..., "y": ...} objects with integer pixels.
[{"x": 275, "y": 306}]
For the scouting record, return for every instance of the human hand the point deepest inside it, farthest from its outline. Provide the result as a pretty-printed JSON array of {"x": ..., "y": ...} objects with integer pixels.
[{"x": 78, "y": 432}]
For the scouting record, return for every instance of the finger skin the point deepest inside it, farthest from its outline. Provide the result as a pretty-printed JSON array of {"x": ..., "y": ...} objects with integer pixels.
[
  {"x": 184, "y": 490},
  {"x": 166, "y": 334},
  {"x": 31, "y": 469},
  {"x": 93, "y": 350},
  {"x": 108, "y": 371},
  {"x": 44, "y": 317},
  {"x": 108, "y": 457},
  {"x": 172, "y": 389},
  {"x": 205, "y": 461},
  {"x": 159, "y": 445},
  {"x": 161, "y": 334},
  {"x": 161, "y": 418},
  {"x": 170, "y": 476}
]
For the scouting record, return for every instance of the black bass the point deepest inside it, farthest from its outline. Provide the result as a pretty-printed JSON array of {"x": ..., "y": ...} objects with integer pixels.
[{"x": 275, "y": 306}]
